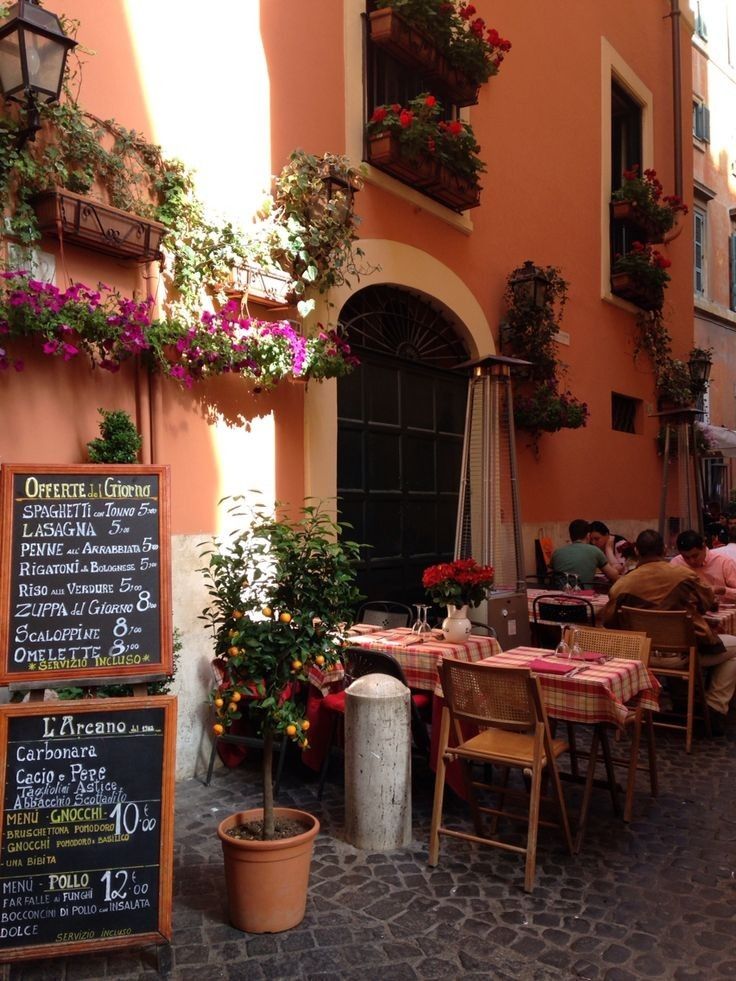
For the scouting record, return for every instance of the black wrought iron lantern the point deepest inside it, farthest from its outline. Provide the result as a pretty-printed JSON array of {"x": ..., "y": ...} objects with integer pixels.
[
  {"x": 699, "y": 366},
  {"x": 33, "y": 51},
  {"x": 338, "y": 190},
  {"x": 530, "y": 284}
]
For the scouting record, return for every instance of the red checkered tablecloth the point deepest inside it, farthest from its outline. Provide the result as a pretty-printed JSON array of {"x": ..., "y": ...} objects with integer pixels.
[
  {"x": 418, "y": 658},
  {"x": 598, "y": 693},
  {"x": 723, "y": 620}
]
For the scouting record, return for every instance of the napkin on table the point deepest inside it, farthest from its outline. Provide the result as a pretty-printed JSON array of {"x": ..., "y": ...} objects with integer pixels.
[{"x": 544, "y": 665}]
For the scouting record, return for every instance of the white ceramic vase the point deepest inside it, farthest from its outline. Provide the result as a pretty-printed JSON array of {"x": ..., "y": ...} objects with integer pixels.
[{"x": 456, "y": 625}]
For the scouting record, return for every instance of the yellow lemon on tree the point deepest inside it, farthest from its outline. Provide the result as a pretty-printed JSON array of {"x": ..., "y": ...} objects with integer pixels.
[
  {"x": 291, "y": 730},
  {"x": 285, "y": 617},
  {"x": 305, "y": 724},
  {"x": 296, "y": 665},
  {"x": 237, "y": 614},
  {"x": 236, "y": 696},
  {"x": 267, "y": 611},
  {"x": 218, "y": 729},
  {"x": 232, "y": 651},
  {"x": 219, "y": 702},
  {"x": 319, "y": 660}
]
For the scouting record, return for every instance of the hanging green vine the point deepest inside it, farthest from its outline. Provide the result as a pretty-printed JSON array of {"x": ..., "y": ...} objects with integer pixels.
[
  {"x": 298, "y": 230},
  {"x": 672, "y": 379},
  {"x": 541, "y": 404}
]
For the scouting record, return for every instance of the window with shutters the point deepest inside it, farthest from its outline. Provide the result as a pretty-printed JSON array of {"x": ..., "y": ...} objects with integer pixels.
[
  {"x": 699, "y": 217},
  {"x": 732, "y": 268},
  {"x": 701, "y": 122},
  {"x": 701, "y": 28}
]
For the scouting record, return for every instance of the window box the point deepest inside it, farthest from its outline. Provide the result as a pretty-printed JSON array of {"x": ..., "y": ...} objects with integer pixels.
[
  {"x": 416, "y": 49},
  {"x": 385, "y": 153},
  {"x": 267, "y": 287},
  {"x": 453, "y": 190},
  {"x": 646, "y": 231},
  {"x": 628, "y": 287},
  {"x": 74, "y": 218}
]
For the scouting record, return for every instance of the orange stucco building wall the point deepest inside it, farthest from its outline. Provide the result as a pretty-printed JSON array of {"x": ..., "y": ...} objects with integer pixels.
[{"x": 233, "y": 91}]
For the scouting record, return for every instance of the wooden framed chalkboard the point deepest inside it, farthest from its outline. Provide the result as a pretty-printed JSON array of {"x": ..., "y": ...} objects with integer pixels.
[
  {"x": 85, "y": 574},
  {"x": 86, "y": 825}
]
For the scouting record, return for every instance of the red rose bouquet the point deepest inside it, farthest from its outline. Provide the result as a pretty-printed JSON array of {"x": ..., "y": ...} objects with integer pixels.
[{"x": 459, "y": 583}]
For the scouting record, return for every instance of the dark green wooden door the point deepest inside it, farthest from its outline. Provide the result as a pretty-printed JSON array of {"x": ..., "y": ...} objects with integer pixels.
[{"x": 401, "y": 417}]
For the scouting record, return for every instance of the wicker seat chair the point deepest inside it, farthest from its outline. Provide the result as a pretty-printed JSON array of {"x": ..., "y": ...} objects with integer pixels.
[
  {"x": 506, "y": 705},
  {"x": 635, "y": 646},
  {"x": 673, "y": 640}
]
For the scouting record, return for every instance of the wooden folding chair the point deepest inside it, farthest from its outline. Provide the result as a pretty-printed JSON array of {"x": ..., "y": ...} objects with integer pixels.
[
  {"x": 672, "y": 635},
  {"x": 506, "y": 705},
  {"x": 635, "y": 646}
]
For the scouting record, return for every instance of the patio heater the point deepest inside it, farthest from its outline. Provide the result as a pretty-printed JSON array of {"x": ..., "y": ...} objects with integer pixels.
[
  {"x": 683, "y": 509},
  {"x": 489, "y": 518}
]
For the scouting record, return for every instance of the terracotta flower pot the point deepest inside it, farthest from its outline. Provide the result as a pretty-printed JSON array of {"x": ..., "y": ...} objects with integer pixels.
[{"x": 267, "y": 880}]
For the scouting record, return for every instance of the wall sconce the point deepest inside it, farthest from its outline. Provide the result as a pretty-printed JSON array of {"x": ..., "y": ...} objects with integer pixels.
[
  {"x": 33, "y": 50},
  {"x": 699, "y": 366},
  {"x": 339, "y": 188},
  {"x": 529, "y": 284}
]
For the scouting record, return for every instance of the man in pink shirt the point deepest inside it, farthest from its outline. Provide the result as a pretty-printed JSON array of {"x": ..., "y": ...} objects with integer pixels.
[{"x": 715, "y": 567}]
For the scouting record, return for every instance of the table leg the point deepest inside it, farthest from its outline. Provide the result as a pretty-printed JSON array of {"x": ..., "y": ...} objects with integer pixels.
[
  {"x": 610, "y": 774},
  {"x": 587, "y": 793}
]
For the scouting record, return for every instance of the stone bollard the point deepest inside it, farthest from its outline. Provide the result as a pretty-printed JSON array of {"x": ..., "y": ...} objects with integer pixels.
[{"x": 377, "y": 763}]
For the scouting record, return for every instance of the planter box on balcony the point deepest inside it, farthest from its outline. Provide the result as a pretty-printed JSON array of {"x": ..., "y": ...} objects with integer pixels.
[
  {"x": 267, "y": 287},
  {"x": 625, "y": 211},
  {"x": 424, "y": 174},
  {"x": 455, "y": 191},
  {"x": 416, "y": 49},
  {"x": 385, "y": 152},
  {"x": 74, "y": 218},
  {"x": 626, "y": 286}
]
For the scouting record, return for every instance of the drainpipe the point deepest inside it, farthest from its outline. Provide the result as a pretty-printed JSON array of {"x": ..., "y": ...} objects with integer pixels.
[{"x": 677, "y": 92}]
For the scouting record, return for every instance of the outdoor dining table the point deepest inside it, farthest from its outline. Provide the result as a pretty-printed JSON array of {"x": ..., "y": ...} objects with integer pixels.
[
  {"x": 417, "y": 654},
  {"x": 723, "y": 620},
  {"x": 599, "y": 695}
]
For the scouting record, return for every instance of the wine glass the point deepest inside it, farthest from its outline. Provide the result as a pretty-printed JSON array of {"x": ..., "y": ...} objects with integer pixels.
[
  {"x": 567, "y": 588},
  {"x": 417, "y": 625},
  {"x": 575, "y": 651},
  {"x": 562, "y": 650},
  {"x": 422, "y": 625}
]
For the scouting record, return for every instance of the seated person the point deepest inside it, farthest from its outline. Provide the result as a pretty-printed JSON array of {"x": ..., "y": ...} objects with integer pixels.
[
  {"x": 661, "y": 585},
  {"x": 715, "y": 567},
  {"x": 610, "y": 544},
  {"x": 580, "y": 558},
  {"x": 715, "y": 524}
]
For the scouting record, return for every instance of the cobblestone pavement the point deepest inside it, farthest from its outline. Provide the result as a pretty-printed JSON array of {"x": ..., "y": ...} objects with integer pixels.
[{"x": 651, "y": 900}]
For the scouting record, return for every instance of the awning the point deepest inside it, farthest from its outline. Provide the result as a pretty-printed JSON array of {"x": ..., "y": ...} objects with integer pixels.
[{"x": 719, "y": 438}]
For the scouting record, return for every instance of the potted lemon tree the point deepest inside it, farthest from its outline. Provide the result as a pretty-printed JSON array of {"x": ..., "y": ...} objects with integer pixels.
[{"x": 282, "y": 591}]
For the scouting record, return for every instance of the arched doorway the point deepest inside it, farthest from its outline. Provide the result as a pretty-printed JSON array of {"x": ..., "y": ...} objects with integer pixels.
[{"x": 400, "y": 424}]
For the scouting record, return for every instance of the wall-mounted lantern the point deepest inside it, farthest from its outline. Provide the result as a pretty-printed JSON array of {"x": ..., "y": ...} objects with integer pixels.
[{"x": 33, "y": 51}]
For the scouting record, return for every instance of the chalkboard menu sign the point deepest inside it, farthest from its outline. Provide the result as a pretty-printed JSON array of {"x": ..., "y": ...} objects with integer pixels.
[
  {"x": 84, "y": 574},
  {"x": 86, "y": 824}
]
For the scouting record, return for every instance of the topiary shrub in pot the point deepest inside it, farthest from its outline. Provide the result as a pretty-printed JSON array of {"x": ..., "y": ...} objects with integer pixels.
[{"x": 282, "y": 591}]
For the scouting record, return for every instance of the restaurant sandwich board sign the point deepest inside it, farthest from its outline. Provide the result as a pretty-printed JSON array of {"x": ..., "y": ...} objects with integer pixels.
[
  {"x": 86, "y": 838},
  {"x": 86, "y": 787},
  {"x": 85, "y": 573}
]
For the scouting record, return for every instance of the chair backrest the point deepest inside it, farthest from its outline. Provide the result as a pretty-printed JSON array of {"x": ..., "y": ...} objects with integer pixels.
[
  {"x": 669, "y": 630},
  {"x": 492, "y": 696},
  {"x": 359, "y": 662},
  {"x": 384, "y": 613},
  {"x": 563, "y": 609},
  {"x": 476, "y": 627},
  {"x": 628, "y": 645}
]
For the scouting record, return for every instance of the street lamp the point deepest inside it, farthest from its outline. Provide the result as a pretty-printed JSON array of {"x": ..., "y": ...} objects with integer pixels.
[{"x": 33, "y": 50}]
